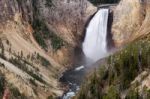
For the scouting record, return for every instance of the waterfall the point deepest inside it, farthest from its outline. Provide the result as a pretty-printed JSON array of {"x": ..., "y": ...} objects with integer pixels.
[
  {"x": 94, "y": 47},
  {"x": 95, "y": 43}
]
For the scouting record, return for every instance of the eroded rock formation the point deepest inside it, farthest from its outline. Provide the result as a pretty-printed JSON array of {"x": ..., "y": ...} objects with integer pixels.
[
  {"x": 131, "y": 20},
  {"x": 66, "y": 18}
]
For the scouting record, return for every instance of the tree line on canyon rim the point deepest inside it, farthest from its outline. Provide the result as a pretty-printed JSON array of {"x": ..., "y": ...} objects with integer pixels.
[{"x": 97, "y": 2}]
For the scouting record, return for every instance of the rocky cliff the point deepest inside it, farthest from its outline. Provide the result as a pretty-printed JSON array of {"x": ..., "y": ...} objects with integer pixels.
[
  {"x": 37, "y": 39},
  {"x": 131, "y": 20},
  {"x": 68, "y": 18}
]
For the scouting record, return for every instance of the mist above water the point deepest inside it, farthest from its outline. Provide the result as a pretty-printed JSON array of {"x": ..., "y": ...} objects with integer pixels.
[{"x": 94, "y": 48}]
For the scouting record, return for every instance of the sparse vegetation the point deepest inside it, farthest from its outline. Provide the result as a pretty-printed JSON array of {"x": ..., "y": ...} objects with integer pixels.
[
  {"x": 16, "y": 93},
  {"x": 2, "y": 85},
  {"x": 19, "y": 64},
  {"x": 2, "y": 53},
  {"x": 50, "y": 97},
  {"x": 37, "y": 77},
  {"x": 2, "y": 64},
  {"x": 42, "y": 34},
  {"x": 117, "y": 75},
  {"x": 33, "y": 82},
  {"x": 24, "y": 67},
  {"x": 132, "y": 94},
  {"x": 44, "y": 61},
  {"x": 56, "y": 42}
]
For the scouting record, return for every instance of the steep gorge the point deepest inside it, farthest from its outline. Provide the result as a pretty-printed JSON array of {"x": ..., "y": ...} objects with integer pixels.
[
  {"x": 42, "y": 35},
  {"x": 27, "y": 23},
  {"x": 125, "y": 75}
]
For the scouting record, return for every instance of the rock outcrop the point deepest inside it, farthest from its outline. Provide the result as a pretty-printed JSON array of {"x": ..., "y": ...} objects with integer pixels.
[
  {"x": 66, "y": 18},
  {"x": 131, "y": 21}
]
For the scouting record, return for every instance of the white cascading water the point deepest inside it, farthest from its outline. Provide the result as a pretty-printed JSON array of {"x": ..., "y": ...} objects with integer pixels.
[{"x": 95, "y": 43}]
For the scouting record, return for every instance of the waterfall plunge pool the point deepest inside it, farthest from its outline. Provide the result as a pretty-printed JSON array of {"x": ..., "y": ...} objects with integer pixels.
[{"x": 94, "y": 48}]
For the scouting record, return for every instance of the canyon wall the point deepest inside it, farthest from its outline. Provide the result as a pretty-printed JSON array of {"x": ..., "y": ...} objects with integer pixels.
[
  {"x": 131, "y": 21},
  {"x": 62, "y": 20},
  {"x": 68, "y": 18},
  {"x": 57, "y": 21},
  {"x": 65, "y": 18}
]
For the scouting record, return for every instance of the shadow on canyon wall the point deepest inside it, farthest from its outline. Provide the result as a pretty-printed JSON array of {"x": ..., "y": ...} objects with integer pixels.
[{"x": 110, "y": 42}]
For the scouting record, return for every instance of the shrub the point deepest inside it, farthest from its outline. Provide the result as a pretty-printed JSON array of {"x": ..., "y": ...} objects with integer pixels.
[
  {"x": 39, "y": 39},
  {"x": 57, "y": 42},
  {"x": 112, "y": 93},
  {"x": 50, "y": 97},
  {"x": 2, "y": 85},
  {"x": 16, "y": 93},
  {"x": 132, "y": 94},
  {"x": 42, "y": 34},
  {"x": 2, "y": 50},
  {"x": 37, "y": 77},
  {"x": 44, "y": 61},
  {"x": 33, "y": 82}
]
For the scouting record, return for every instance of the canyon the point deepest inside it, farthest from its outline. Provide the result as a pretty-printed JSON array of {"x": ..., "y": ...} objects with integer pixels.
[
  {"x": 27, "y": 25},
  {"x": 38, "y": 39}
]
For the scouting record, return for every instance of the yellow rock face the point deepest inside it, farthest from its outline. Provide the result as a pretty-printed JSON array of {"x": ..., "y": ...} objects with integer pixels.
[{"x": 131, "y": 20}]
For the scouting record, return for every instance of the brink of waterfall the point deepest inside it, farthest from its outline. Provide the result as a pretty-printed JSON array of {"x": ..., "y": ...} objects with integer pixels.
[{"x": 95, "y": 43}]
